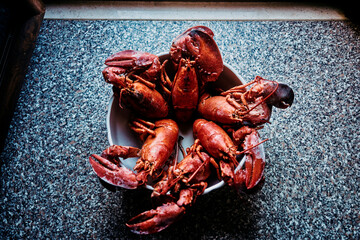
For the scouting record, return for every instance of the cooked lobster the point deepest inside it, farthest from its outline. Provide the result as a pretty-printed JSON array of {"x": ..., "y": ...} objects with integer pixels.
[
  {"x": 160, "y": 139},
  {"x": 133, "y": 75},
  {"x": 220, "y": 145},
  {"x": 246, "y": 106}
]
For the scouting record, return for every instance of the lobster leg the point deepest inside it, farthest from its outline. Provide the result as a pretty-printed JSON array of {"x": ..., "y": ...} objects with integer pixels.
[
  {"x": 143, "y": 128},
  {"x": 145, "y": 82},
  {"x": 166, "y": 83},
  {"x": 232, "y": 101},
  {"x": 156, "y": 220}
]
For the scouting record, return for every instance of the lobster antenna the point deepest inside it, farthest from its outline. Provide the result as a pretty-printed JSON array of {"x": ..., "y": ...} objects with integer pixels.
[
  {"x": 238, "y": 153},
  {"x": 177, "y": 146},
  {"x": 165, "y": 80},
  {"x": 181, "y": 146},
  {"x": 240, "y": 87}
]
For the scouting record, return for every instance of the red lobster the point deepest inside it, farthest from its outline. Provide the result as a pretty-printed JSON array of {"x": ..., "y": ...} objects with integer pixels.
[
  {"x": 251, "y": 106},
  {"x": 140, "y": 93},
  {"x": 197, "y": 59},
  {"x": 219, "y": 145},
  {"x": 183, "y": 182},
  {"x": 160, "y": 139}
]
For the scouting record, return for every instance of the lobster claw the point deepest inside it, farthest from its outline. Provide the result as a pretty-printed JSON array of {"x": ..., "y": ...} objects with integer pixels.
[
  {"x": 154, "y": 221},
  {"x": 278, "y": 95},
  {"x": 113, "y": 174},
  {"x": 113, "y": 75},
  {"x": 198, "y": 44},
  {"x": 248, "y": 175},
  {"x": 283, "y": 97},
  {"x": 136, "y": 60},
  {"x": 254, "y": 162},
  {"x": 239, "y": 183},
  {"x": 254, "y": 170}
]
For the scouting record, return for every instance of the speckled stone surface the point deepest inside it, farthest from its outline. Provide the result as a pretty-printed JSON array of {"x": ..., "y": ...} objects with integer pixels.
[{"x": 48, "y": 189}]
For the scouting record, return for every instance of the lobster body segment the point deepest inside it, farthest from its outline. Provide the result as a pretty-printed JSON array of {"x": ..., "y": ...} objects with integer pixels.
[
  {"x": 185, "y": 91},
  {"x": 214, "y": 139}
]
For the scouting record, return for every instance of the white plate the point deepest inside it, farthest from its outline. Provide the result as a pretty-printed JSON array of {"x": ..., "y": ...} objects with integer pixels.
[{"x": 119, "y": 133}]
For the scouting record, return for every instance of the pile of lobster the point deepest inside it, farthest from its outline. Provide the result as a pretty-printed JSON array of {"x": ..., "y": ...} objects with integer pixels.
[{"x": 225, "y": 126}]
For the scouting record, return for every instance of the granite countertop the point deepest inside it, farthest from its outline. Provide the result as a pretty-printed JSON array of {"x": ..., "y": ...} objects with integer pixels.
[{"x": 48, "y": 189}]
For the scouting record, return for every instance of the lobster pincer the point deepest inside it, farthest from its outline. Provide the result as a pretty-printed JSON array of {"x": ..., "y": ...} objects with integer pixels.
[
  {"x": 156, "y": 220},
  {"x": 107, "y": 166},
  {"x": 146, "y": 65},
  {"x": 249, "y": 173},
  {"x": 197, "y": 43}
]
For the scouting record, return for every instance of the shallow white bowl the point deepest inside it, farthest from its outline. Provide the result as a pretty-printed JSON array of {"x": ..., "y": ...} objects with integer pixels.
[{"x": 119, "y": 133}]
